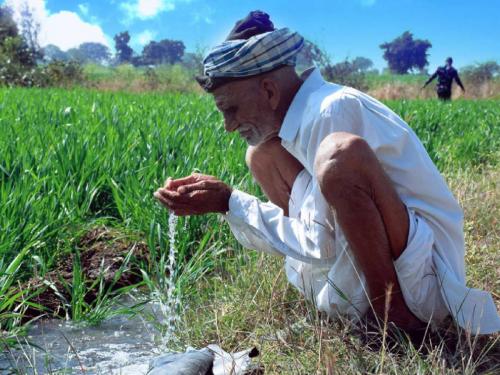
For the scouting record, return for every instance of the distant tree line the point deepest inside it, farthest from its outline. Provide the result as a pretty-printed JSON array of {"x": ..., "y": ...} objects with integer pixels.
[{"x": 165, "y": 51}]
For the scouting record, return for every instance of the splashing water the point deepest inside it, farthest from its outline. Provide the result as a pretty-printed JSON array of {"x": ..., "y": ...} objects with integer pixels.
[{"x": 169, "y": 298}]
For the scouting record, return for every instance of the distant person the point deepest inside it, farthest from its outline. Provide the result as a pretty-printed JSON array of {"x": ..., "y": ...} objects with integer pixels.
[{"x": 446, "y": 74}]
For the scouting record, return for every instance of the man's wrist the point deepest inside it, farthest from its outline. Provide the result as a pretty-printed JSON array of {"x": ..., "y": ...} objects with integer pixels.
[{"x": 227, "y": 196}]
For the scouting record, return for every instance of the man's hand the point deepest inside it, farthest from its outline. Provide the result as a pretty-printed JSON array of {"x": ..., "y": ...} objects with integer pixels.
[{"x": 196, "y": 194}]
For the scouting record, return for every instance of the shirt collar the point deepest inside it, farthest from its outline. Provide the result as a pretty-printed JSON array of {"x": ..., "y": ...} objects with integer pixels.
[{"x": 291, "y": 123}]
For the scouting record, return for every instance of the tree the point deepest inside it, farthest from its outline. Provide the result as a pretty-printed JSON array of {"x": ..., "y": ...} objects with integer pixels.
[
  {"x": 15, "y": 56},
  {"x": 123, "y": 51},
  {"x": 30, "y": 29},
  {"x": 89, "y": 52},
  {"x": 8, "y": 27},
  {"x": 165, "y": 51},
  {"x": 362, "y": 64},
  {"x": 52, "y": 52},
  {"x": 194, "y": 60},
  {"x": 93, "y": 52},
  {"x": 348, "y": 73},
  {"x": 481, "y": 72},
  {"x": 311, "y": 54},
  {"x": 15, "y": 51},
  {"x": 405, "y": 53},
  {"x": 74, "y": 54}
]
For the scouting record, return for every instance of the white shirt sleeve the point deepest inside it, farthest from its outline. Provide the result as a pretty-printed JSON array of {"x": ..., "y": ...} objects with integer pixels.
[{"x": 263, "y": 226}]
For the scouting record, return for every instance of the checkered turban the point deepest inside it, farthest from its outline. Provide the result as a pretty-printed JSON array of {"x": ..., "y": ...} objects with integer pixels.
[{"x": 253, "y": 47}]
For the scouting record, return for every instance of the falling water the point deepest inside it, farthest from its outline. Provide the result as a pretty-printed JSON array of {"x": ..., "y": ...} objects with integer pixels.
[
  {"x": 120, "y": 345},
  {"x": 170, "y": 307}
]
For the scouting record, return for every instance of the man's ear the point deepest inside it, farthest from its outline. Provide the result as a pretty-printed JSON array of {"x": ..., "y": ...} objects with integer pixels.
[{"x": 270, "y": 90}]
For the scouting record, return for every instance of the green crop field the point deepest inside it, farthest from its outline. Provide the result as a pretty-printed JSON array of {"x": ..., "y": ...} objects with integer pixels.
[{"x": 73, "y": 161}]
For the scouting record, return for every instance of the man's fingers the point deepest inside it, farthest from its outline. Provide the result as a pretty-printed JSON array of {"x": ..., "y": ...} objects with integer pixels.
[
  {"x": 177, "y": 209},
  {"x": 191, "y": 179},
  {"x": 174, "y": 196},
  {"x": 201, "y": 185},
  {"x": 166, "y": 202},
  {"x": 174, "y": 184},
  {"x": 169, "y": 203},
  {"x": 166, "y": 185},
  {"x": 163, "y": 201}
]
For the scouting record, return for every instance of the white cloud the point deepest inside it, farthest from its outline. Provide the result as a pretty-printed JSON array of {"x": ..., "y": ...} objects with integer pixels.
[
  {"x": 145, "y": 9},
  {"x": 64, "y": 29},
  {"x": 67, "y": 30},
  {"x": 150, "y": 8}
]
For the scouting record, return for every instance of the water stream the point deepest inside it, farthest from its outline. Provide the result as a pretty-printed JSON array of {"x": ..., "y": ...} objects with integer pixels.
[
  {"x": 120, "y": 345},
  {"x": 170, "y": 309}
]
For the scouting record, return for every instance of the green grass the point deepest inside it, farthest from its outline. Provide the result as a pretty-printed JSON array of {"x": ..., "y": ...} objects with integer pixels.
[
  {"x": 71, "y": 159},
  {"x": 376, "y": 80},
  {"x": 456, "y": 135}
]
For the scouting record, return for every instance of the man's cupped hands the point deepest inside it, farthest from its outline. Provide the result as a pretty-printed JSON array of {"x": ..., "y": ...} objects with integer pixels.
[{"x": 196, "y": 194}]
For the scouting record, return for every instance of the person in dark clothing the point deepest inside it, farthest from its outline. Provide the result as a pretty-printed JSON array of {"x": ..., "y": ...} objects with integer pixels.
[{"x": 445, "y": 75}]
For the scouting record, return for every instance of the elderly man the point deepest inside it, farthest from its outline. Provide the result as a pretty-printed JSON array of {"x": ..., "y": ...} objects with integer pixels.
[{"x": 357, "y": 207}]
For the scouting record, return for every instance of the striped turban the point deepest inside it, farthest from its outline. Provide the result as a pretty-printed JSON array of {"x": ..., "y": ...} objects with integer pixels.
[{"x": 257, "y": 52}]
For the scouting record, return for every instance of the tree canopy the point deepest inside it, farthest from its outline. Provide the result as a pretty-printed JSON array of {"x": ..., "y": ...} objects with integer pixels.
[
  {"x": 30, "y": 30},
  {"x": 123, "y": 51},
  {"x": 8, "y": 27},
  {"x": 16, "y": 58},
  {"x": 405, "y": 53},
  {"x": 349, "y": 73},
  {"x": 90, "y": 52},
  {"x": 165, "y": 51},
  {"x": 52, "y": 52},
  {"x": 13, "y": 47},
  {"x": 481, "y": 72},
  {"x": 362, "y": 64},
  {"x": 312, "y": 54}
]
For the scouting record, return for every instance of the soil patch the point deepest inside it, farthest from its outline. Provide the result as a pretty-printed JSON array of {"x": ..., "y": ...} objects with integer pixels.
[{"x": 101, "y": 253}]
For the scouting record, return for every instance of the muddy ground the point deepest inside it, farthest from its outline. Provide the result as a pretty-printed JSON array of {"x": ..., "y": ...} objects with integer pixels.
[{"x": 101, "y": 253}]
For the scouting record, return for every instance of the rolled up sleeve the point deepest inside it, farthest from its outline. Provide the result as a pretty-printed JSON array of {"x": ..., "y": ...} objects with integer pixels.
[{"x": 263, "y": 226}]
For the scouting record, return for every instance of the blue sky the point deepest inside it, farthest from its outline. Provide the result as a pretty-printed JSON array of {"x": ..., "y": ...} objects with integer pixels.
[{"x": 467, "y": 30}]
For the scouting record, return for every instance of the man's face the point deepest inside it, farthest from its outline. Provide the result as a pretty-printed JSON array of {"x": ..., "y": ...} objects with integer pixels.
[{"x": 246, "y": 110}]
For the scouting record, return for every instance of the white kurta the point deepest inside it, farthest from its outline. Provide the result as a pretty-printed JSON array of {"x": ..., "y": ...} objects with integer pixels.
[{"x": 318, "y": 260}]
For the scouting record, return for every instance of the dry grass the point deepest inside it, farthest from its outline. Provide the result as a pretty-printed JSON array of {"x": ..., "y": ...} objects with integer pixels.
[
  {"x": 140, "y": 85},
  {"x": 249, "y": 302},
  {"x": 479, "y": 194},
  {"x": 401, "y": 90}
]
